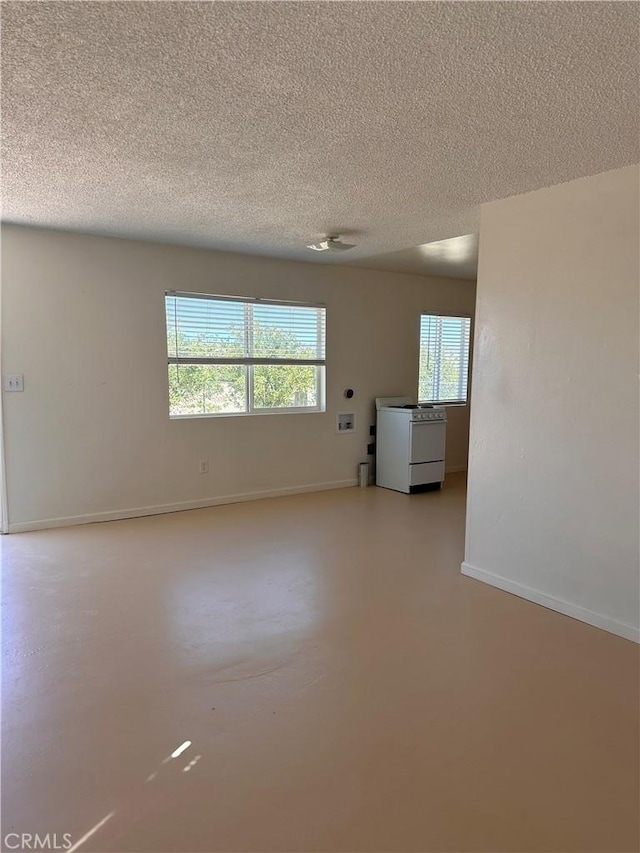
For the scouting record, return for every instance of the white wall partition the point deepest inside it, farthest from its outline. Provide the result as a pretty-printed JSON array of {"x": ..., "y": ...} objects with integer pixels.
[{"x": 553, "y": 468}]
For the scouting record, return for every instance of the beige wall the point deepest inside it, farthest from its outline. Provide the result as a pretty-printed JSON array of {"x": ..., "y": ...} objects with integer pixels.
[
  {"x": 83, "y": 319},
  {"x": 553, "y": 470}
]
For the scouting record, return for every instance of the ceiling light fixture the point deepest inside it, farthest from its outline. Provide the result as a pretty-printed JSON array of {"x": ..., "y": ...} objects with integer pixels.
[{"x": 330, "y": 244}]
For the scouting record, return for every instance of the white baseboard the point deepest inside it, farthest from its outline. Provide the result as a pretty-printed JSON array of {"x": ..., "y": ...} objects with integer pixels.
[
  {"x": 629, "y": 632},
  {"x": 138, "y": 512},
  {"x": 455, "y": 469}
]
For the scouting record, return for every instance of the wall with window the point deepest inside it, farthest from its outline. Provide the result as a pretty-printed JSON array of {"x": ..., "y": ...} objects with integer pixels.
[
  {"x": 84, "y": 320},
  {"x": 553, "y": 473}
]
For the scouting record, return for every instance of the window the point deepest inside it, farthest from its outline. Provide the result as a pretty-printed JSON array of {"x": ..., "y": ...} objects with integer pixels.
[
  {"x": 239, "y": 356},
  {"x": 444, "y": 359}
]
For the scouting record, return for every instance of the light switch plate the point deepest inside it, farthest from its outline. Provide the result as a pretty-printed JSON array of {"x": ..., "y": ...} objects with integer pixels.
[{"x": 13, "y": 382}]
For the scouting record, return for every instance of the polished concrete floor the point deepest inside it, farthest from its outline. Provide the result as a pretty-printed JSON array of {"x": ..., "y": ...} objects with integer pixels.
[{"x": 342, "y": 686}]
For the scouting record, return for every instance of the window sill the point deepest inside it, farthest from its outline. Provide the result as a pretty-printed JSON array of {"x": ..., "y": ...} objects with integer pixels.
[
  {"x": 305, "y": 411},
  {"x": 446, "y": 405}
]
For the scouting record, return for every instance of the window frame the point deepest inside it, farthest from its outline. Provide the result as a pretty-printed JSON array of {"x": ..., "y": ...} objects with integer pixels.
[
  {"x": 453, "y": 315},
  {"x": 250, "y": 363}
]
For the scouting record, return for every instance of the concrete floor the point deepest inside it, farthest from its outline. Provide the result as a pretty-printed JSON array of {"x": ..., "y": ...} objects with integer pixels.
[{"x": 343, "y": 687}]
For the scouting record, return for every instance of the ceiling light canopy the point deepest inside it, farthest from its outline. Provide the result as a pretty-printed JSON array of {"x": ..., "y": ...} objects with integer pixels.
[{"x": 330, "y": 244}]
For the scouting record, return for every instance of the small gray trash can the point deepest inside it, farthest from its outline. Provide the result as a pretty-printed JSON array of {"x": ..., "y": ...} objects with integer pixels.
[{"x": 363, "y": 475}]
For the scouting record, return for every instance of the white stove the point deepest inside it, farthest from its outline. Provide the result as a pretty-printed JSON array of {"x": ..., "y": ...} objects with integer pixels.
[{"x": 410, "y": 444}]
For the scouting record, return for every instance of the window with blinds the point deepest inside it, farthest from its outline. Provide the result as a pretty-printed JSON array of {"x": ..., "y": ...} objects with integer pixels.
[
  {"x": 444, "y": 359},
  {"x": 228, "y": 355}
]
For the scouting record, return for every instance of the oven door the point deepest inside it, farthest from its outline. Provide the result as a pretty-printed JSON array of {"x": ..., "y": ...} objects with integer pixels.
[{"x": 427, "y": 441}]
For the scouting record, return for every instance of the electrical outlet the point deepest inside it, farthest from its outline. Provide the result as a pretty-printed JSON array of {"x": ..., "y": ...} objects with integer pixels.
[
  {"x": 13, "y": 382},
  {"x": 204, "y": 466}
]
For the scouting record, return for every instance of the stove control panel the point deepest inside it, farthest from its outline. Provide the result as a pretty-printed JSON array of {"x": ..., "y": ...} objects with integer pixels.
[{"x": 428, "y": 416}]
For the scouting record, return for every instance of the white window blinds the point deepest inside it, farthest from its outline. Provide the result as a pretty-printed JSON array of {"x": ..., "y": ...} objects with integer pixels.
[
  {"x": 444, "y": 359},
  {"x": 210, "y": 329}
]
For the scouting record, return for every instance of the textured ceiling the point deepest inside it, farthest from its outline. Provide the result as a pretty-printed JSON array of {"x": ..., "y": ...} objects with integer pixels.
[{"x": 259, "y": 127}]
